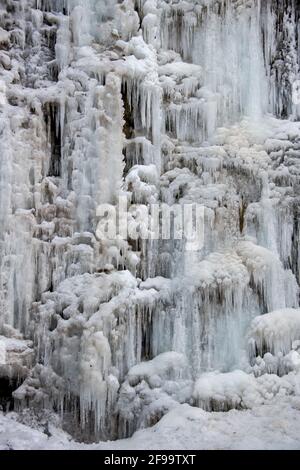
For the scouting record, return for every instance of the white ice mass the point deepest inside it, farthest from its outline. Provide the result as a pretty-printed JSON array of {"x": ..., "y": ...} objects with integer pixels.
[{"x": 135, "y": 342}]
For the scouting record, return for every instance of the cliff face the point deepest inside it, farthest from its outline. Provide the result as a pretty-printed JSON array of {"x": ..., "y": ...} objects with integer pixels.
[{"x": 156, "y": 101}]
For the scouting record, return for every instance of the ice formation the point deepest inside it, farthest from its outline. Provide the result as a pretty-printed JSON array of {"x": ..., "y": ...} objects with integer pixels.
[{"x": 153, "y": 101}]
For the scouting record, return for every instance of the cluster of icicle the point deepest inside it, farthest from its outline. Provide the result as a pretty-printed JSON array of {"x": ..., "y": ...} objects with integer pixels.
[{"x": 156, "y": 101}]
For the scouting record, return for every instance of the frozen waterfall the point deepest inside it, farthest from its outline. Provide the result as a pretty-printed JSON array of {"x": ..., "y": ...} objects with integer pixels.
[{"x": 175, "y": 102}]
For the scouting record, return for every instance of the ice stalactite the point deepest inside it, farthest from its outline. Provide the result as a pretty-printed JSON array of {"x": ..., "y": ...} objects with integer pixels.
[{"x": 160, "y": 102}]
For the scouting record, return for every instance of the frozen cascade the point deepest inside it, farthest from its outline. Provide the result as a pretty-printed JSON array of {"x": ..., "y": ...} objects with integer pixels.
[{"x": 155, "y": 101}]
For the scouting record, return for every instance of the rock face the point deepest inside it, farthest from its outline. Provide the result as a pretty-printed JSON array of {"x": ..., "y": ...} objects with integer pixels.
[{"x": 154, "y": 102}]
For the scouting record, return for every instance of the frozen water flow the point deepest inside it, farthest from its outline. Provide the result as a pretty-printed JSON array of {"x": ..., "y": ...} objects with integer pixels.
[{"x": 157, "y": 101}]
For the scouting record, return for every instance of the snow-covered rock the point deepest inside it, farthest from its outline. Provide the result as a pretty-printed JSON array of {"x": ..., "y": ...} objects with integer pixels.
[{"x": 158, "y": 103}]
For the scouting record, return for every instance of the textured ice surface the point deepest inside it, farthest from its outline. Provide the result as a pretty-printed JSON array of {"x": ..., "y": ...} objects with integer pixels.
[
  {"x": 276, "y": 332},
  {"x": 156, "y": 101}
]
